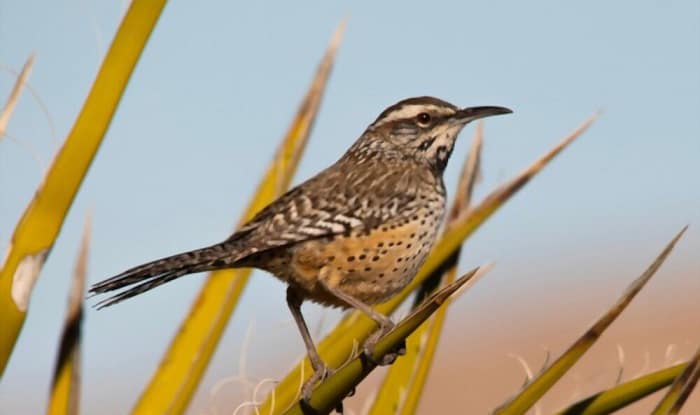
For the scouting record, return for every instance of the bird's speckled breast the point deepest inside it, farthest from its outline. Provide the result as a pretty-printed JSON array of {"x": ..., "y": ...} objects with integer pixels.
[{"x": 370, "y": 266}]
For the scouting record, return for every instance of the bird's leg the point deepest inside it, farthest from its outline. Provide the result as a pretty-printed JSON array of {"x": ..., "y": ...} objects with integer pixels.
[
  {"x": 321, "y": 370},
  {"x": 385, "y": 326}
]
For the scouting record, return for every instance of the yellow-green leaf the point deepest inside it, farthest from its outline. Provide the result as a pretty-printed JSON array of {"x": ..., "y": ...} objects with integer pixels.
[
  {"x": 189, "y": 353},
  {"x": 534, "y": 390},
  {"x": 338, "y": 345},
  {"x": 617, "y": 397},
  {"x": 686, "y": 391},
  {"x": 42, "y": 220},
  {"x": 65, "y": 387},
  {"x": 679, "y": 391}
]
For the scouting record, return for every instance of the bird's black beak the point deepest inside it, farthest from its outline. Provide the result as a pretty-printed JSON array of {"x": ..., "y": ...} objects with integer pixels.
[{"x": 470, "y": 114}]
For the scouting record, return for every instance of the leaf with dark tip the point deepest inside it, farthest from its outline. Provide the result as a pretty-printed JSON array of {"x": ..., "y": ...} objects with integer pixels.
[
  {"x": 65, "y": 387},
  {"x": 681, "y": 388},
  {"x": 687, "y": 390}
]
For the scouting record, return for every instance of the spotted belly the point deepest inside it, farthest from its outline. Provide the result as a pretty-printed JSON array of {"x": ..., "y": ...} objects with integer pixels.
[{"x": 369, "y": 266}]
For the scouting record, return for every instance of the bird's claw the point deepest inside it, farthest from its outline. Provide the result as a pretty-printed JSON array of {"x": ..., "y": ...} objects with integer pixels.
[
  {"x": 319, "y": 375},
  {"x": 389, "y": 357}
]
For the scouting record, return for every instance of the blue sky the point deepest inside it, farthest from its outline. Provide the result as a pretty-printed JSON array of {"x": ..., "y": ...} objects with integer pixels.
[{"x": 219, "y": 83}]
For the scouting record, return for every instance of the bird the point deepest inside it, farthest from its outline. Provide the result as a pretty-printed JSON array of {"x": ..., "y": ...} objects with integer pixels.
[{"x": 351, "y": 236}]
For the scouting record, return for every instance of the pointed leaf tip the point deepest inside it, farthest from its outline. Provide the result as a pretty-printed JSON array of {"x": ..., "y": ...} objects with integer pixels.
[
  {"x": 527, "y": 397},
  {"x": 12, "y": 101},
  {"x": 337, "y": 37},
  {"x": 565, "y": 142}
]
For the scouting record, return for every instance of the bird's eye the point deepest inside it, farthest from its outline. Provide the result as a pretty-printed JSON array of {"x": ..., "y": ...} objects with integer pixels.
[{"x": 423, "y": 118}]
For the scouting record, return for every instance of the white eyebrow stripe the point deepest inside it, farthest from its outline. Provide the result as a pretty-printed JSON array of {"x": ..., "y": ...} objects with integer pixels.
[{"x": 411, "y": 110}]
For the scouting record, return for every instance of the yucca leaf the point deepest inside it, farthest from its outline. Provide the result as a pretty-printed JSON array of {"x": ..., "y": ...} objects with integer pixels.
[
  {"x": 65, "y": 387},
  {"x": 619, "y": 396},
  {"x": 337, "y": 346},
  {"x": 42, "y": 220},
  {"x": 12, "y": 100},
  {"x": 404, "y": 381},
  {"x": 190, "y": 351},
  {"x": 534, "y": 390},
  {"x": 680, "y": 389},
  {"x": 330, "y": 393},
  {"x": 686, "y": 391}
]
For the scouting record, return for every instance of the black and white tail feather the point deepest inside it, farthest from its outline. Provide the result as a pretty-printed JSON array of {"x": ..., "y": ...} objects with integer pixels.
[{"x": 152, "y": 274}]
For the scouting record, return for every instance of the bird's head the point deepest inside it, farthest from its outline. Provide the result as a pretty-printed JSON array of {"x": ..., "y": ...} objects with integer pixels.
[{"x": 423, "y": 128}]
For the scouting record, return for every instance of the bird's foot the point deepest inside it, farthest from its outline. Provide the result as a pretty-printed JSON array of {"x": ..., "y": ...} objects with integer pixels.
[
  {"x": 389, "y": 357},
  {"x": 320, "y": 374}
]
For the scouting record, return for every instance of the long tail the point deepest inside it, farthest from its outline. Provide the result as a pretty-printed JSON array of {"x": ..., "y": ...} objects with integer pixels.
[{"x": 152, "y": 274}]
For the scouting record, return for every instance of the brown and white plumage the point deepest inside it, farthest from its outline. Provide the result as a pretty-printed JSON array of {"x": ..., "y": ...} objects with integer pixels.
[
  {"x": 340, "y": 202},
  {"x": 351, "y": 236}
]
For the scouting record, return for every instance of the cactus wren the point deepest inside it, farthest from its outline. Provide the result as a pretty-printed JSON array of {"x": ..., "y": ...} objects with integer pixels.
[{"x": 351, "y": 236}]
